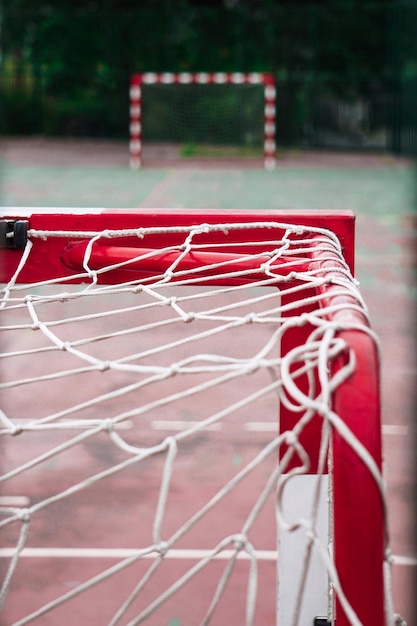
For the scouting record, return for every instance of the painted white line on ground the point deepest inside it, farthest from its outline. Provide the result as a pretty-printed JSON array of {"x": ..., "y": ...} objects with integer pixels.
[
  {"x": 410, "y": 561},
  {"x": 122, "y": 553},
  {"x": 127, "y": 425},
  {"x": 14, "y": 501},
  {"x": 14, "y": 211},
  {"x": 261, "y": 427},
  {"x": 393, "y": 429},
  {"x": 181, "y": 425},
  {"x": 178, "y": 425},
  {"x": 183, "y": 554},
  {"x": 266, "y": 427}
]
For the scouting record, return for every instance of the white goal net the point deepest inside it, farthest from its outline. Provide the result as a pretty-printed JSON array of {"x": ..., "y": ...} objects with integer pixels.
[{"x": 145, "y": 471}]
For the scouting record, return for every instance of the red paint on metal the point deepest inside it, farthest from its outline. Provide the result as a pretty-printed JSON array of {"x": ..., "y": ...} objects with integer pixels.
[
  {"x": 359, "y": 519},
  {"x": 236, "y": 269},
  {"x": 45, "y": 260},
  {"x": 358, "y": 508}
]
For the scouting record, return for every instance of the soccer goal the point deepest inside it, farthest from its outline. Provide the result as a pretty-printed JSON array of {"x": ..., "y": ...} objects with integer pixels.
[
  {"x": 208, "y": 117},
  {"x": 190, "y": 421}
]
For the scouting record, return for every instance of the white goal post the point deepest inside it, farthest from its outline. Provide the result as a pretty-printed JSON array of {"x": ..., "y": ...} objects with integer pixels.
[{"x": 264, "y": 81}]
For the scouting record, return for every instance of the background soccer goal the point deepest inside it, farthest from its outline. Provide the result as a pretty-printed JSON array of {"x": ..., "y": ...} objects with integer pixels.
[
  {"x": 213, "y": 116},
  {"x": 190, "y": 421}
]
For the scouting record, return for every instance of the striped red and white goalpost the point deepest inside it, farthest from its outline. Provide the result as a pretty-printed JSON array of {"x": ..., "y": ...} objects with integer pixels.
[{"x": 188, "y": 78}]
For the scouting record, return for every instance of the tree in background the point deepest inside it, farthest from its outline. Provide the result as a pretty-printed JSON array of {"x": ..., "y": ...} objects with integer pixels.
[{"x": 65, "y": 64}]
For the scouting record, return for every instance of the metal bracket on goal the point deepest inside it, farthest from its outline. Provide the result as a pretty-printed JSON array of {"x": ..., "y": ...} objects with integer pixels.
[
  {"x": 13, "y": 234},
  {"x": 321, "y": 621}
]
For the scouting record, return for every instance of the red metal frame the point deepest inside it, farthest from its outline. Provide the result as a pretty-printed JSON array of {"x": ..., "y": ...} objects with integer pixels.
[
  {"x": 359, "y": 517},
  {"x": 341, "y": 223},
  {"x": 209, "y": 78},
  {"x": 359, "y": 523}
]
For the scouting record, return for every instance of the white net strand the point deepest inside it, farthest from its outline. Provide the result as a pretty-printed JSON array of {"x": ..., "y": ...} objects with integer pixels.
[{"x": 148, "y": 346}]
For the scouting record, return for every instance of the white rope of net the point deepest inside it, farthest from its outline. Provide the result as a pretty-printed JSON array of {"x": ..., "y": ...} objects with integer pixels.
[{"x": 29, "y": 311}]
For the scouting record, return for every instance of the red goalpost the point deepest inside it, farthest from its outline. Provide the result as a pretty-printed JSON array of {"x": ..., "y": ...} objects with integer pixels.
[{"x": 208, "y": 275}]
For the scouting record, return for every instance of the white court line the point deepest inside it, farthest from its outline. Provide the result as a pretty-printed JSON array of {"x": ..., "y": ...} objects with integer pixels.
[
  {"x": 266, "y": 427},
  {"x": 14, "y": 211},
  {"x": 261, "y": 427},
  {"x": 393, "y": 429},
  {"x": 127, "y": 425},
  {"x": 181, "y": 425},
  {"x": 14, "y": 501},
  {"x": 410, "y": 561},
  {"x": 192, "y": 554},
  {"x": 122, "y": 553}
]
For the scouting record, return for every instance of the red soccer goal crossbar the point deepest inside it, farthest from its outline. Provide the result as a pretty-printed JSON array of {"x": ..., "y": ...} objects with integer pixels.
[
  {"x": 201, "y": 78},
  {"x": 359, "y": 516}
]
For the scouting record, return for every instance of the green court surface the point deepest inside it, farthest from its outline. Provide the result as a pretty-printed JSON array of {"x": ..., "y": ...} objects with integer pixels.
[
  {"x": 380, "y": 190},
  {"x": 385, "y": 191}
]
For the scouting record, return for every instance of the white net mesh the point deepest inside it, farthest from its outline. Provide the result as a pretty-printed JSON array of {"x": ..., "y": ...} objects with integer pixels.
[
  {"x": 143, "y": 469},
  {"x": 197, "y": 120}
]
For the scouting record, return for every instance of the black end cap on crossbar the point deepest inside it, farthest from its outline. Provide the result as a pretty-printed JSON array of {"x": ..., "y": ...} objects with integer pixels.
[{"x": 13, "y": 234}]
